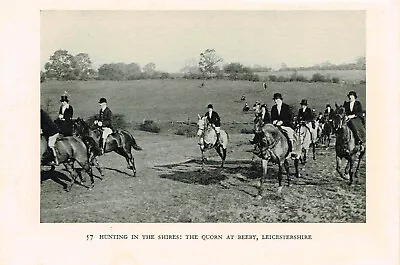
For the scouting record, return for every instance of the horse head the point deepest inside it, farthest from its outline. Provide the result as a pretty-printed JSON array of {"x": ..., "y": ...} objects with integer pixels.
[
  {"x": 202, "y": 125},
  {"x": 80, "y": 127},
  {"x": 258, "y": 124},
  {"x": 340, "y": 117}
]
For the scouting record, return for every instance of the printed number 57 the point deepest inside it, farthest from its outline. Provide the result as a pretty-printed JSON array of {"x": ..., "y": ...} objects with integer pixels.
[{"x": 89, "y": 237}]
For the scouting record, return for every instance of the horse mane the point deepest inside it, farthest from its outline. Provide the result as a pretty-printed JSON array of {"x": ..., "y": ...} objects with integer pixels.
[
  {"x": 84, "y": 125},
  {"x": 271, "y": 134}
]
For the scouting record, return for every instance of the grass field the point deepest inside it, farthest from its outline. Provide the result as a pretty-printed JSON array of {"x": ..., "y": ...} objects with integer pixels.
[
  {"x": 170, "y": 187},
  {"x": 345, "y": 75}
]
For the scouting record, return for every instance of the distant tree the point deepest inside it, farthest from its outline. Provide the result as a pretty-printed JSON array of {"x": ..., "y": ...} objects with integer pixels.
[
  {"x": 361, "y": 63},
  {"x": 317, "y": 77},
  {"x": 61, "y": 66},
  {"x": 149, "y": 70},
  {"x": 234, "y": 70},
  {"x": 110, "y": 72},
  {"x": 208, "y": 63},
  {"x": 83, "y": 67},
  {"x": 131, "y": 71}
]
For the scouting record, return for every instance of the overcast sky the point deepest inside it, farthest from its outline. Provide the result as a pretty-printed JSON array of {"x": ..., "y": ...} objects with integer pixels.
[{"x": 172, "y": 39}]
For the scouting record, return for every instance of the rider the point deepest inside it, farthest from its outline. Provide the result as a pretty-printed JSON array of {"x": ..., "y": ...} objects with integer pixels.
[
  {"x": 265, "y": 117},
  {"x": 354, "y": 112},
  {"x": 306, "y": 115},
  {"x": 65, "y": 114},
  {"x": 214, "y": 119},
  {"x": 50, "y": 130},
  {"x": 104, "y": 122},
  {"x": 329, "y": 114},
  {"x": 281, "y": 116}
]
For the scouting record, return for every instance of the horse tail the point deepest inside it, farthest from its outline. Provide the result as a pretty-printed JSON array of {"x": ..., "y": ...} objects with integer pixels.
[{"x": 133, "y": 142}]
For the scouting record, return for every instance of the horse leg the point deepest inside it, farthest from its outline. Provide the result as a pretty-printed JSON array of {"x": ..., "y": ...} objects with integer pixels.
[
  {"x": 339, "y": 167},
  {"x": 223, "y": 154},
  {"x": 262, "y": 179},
  {"x": 218, "y": 149},
  {"x": 73, "y": 175},
  {"x": 358, "y": 165},
  {"x": 286, "y": 165},
  {"x": 280, "y": 177},
  {"x": 86, "y": 166},
  {"x": 129, "y": 159},
  {"x": 349, "y": 170},
  {"x": 303, "y": 156},
  {"x": 97, "y": 165},
  {"x": 203, "y": 159},
  {"x": 296, "y": 166},
  {"x": 313, "y": 150}
]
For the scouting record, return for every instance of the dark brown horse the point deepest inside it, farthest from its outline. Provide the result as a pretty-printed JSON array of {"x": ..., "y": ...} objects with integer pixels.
[
  {"x": 69, "y": 149},
  {"x": 119, "y": 141},
  {"x": 326, "y": 133},
  {"x": 346, "y": 147},
  {"x": 275, "y": 148}
]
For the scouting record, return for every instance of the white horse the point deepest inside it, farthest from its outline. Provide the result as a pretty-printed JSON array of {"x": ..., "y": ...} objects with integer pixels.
[{"x": 208, "y": 137}]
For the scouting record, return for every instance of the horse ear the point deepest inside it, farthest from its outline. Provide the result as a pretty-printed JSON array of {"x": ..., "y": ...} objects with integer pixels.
[{"x": 198, "y": 115}]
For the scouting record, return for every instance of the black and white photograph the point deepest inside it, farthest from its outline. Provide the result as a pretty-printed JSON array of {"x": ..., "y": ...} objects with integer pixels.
[{"x": 210, "y": 116}]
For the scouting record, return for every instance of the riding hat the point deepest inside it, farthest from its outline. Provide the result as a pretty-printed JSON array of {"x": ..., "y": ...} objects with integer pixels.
[
  {"x": 103, "y": 100},
  {"x": 327, "y": 105},
  {"x": 64, "y": 99},
  {"x": 210, "y": 106},
  {"x": 277, "y": 95},
  {"x": 352, "y": 93},
  {"x": 304, "y": 102}
]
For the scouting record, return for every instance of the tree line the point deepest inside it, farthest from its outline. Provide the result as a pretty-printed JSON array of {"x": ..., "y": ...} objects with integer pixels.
[{"x": 64, "y": 66}]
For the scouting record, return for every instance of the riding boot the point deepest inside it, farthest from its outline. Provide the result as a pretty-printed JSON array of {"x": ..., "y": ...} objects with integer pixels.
[
  {"x": 292, "y": 152},
  {"x": 103, "y": 149},
  {"x": 217, "y": 142}
]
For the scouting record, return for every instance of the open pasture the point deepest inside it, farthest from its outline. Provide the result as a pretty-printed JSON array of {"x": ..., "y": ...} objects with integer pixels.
[
  {"x": 170, "y": 187},
  {"x": 346, "y": 75}
]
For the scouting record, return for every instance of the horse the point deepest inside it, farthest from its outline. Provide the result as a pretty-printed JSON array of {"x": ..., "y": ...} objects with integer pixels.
[
  {"x": 326, "y": 133},
  {"x": 306, "y": 136},
  {"x": 120, "y": 141},
  {"x": 346, "y": 147},
  {"x": 208, "y": 137},
  {"x": 274, "y": 147},
  {"x": 70, "y": 149}
]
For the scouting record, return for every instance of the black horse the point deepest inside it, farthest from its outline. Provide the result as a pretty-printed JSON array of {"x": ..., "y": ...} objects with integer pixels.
[{"x": 120, "y": 141}]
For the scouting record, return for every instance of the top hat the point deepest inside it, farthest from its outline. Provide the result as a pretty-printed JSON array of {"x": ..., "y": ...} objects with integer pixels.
[
  {"x": 210, "y": 106},
  {"x": 277, "y": 95},
  {"x": 103, "y": 100},
  {"x": 352, "y": 93},
  {"x": 64, "y": 99},
  {"x": 304, "y": 102}
]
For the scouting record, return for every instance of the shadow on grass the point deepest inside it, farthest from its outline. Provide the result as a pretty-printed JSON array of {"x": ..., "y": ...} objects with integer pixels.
[
  {"x": 61, "y": 178},
  {"x": 119, "y": 171},
  {"x": 242, "y": 171}
]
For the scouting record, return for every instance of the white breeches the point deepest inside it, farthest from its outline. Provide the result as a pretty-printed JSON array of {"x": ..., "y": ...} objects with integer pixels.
[
  {"x": 52, "y": 140},
  {"x": 106, "y": 133}
]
